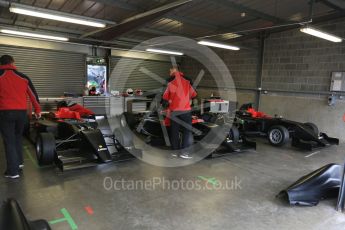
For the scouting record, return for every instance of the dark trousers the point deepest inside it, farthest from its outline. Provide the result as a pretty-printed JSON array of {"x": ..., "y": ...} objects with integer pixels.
[
  {"x": 181, "y": 123},
  {"x": 12, "y": 126}
]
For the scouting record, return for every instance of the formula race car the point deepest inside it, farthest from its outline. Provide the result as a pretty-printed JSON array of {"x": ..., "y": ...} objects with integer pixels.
[
  {"x": 70, "y": 141},
  {"x": 278, "y": 130},
  {"x": 152, "y": 128}
]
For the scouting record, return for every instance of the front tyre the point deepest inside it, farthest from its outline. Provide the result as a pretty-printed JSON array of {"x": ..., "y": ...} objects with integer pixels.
[
  {"x": 45, "y": 149},
  {"x": 278, "y": 135},
  {"x": 234, "y": 134}
]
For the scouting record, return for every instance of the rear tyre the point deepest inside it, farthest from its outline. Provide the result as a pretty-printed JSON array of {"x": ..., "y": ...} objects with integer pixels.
[
  {"x": 234, "y": 134},
  {"x": 278, "y": 135},
  {"x": 45, "y": 149},
  {"x": 129, "y": 119},
  {"x": 118, "y": 140},
  {"x": 123, "y": 139},
  {"x": 313, "y": 127},
  {"x": 209, "y": 117}
]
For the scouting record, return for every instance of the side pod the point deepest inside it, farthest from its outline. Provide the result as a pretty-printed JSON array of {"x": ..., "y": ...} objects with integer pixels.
[{"x": 310, "y": 189}]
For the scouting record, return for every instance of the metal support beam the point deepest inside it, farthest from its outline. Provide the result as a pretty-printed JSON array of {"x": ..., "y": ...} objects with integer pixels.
[
  {"x": 286, "y": 27},
  {"x": 168, "y": 7},
  {"x": 261, "y": 53},
  {"x": 311, "y": 9},
  {"x": 133, "y": 40},
  {"x": 331, "y": 5},
  {"x": 120, "y": 4},
  {"x": 249, "y": 11},
  {"x": 157, "y": 32},
  {"x": 198, "y": 22},
  {"x": 135, "y": 21},
  {"x": 195, "y": 22},
  {"x": 218, "y": 29},
  {"x": 220, "y": 33},
  {"x": 206, "y": 24}
]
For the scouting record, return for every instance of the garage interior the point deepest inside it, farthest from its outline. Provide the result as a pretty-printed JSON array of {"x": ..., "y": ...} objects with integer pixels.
[{"x": 273, "y": 64}]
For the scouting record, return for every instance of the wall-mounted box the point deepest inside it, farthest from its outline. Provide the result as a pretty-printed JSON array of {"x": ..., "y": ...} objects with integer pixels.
[{"x": 338, "y": 82}]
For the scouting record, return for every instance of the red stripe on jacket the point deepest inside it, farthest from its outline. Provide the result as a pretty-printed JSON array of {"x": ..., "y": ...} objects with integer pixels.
[
  {"x": 179, "y": 93},
  {"x": 14, "y": 89}
]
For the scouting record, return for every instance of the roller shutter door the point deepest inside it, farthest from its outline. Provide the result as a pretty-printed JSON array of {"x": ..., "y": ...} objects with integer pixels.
[
  {"x": 137, "y": 79},
  {"x": 52, "y": 72}
]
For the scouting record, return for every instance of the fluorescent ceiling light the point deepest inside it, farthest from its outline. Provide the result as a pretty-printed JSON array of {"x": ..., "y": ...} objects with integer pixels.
[
  {"x": 218, "y": 45},
  {"x": 55, "y": 16},
  {"x": 231, "y": 36},
  {"x": 164, "y": 51},
  {"x": 34, "y": 35},
  {"x": 320, "y": 34}
]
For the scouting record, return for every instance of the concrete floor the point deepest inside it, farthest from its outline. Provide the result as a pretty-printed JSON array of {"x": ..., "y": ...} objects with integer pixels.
[{"x": 43, "y": 193}]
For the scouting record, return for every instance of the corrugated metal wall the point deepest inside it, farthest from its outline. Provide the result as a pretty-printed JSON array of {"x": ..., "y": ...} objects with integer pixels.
[
  {"x": 137, "y": 79},
  {"x": 52, "y": 72}
]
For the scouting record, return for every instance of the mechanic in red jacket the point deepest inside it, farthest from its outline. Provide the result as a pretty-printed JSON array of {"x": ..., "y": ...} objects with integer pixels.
[
  {"x": 179, "y": 93},
  {"x": 14, "y": 89}
]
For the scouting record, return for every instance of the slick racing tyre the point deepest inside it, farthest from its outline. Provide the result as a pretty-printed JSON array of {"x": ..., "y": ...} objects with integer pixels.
[
  {"x": 129, "y": 120},
  {"x": 278, "y": 135},
  {"x": 45, "y": 149},
  {"x": 234, "y": 135}
]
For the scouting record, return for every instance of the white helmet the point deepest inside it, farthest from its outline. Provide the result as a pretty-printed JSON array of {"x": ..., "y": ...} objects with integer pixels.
[{"x": 130, "y": 92}]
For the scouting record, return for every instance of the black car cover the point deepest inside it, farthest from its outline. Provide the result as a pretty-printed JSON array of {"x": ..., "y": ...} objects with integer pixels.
[{"x": 310, "y": 189}]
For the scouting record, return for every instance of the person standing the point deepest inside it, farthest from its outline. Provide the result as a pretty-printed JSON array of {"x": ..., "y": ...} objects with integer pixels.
[
  {"x": 179, "y": 92},
  {"x": 14, "y": 89}
]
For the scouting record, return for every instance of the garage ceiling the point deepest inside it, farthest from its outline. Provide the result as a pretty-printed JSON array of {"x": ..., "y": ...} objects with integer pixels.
[{"x": 194, "y": 19}]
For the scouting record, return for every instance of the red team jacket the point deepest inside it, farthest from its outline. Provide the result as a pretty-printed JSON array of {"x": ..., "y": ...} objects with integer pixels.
[
  {"x": 14, "y": 89},
  {"x": 178, "y": 93}
]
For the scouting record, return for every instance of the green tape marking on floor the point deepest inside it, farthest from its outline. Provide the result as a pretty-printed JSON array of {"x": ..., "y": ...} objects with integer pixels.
[
  {"x": 67, "y": 217},
  {"x": 30, "y": 157},
  {"x": 211, "y": 180},
  {"x": 57, "y": 221}
]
